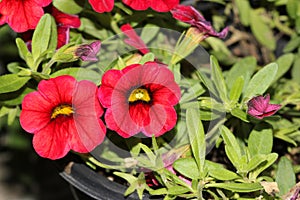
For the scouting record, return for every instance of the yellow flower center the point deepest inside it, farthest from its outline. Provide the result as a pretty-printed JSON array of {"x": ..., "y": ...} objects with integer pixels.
[
  {"x": 64, "y": 109},
  {"x": 139, "y": 94}
]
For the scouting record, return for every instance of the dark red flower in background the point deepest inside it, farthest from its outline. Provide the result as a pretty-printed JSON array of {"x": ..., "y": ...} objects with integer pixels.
[
  {"x": 23, "y": 15},
  {"x": 140, "y": 98},
  {"x": 260, "y": 107},
  {"x": 190, "y": 15},
  {"x": 63, "y": 115},
  {"x": 133, "y": 39}
]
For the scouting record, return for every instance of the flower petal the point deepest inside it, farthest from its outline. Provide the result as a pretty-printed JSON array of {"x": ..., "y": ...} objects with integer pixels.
[
  {"x": 133, "y": 39},
  {"x": 36, "y": 112},
  {"x": 21, "y": 15},
  {"x": 63, "y": 19},
  {"x": 58, "y": 90},
  {"x": 162, "y": 119},
  {"x": 102, "y": 5},
  {"x": 51, "y": 141}
]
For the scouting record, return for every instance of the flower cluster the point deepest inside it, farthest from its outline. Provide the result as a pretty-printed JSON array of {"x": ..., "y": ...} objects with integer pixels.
[{"x": 65, "y": 114}]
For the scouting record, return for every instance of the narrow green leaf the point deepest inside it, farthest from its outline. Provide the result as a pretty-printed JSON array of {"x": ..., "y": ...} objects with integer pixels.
[
  {"x": 187, "y": 167},
  {"x": 177, "y": 190},
  {"x": 12, "y": 82},
  {"x": 260, "y": 140},
  {"x": 284, "y": 63},
  {"x": 255, "y": 161},
  {"x": 42, "y": 36},
  {"x": 146, "y": 58},
  {"x": 270, "y": 159},
  {"x": 293, "y": 43},
  {"x": 237, "y": 112},
  {"x": 22, "y": 48},
  {"x": 285, "y": 176},
  {"x": 296, "y": 70},
  {"x": 266, "y": 76},
  {"x": 232, "y": 147},
  {"x": 261, "y": 30},
  {"x": 218, "y": 79},
  {"x": 149, "y": 32},
  {"x": 79, "y": 74},
  {"x": 223, "y": 174},
  {"x": 244, "y": 11},
  {"x": 197, "y": 138},
  {"x": 243, "y": 68},
  {"x": 237, "y": 89},
  {"x": 236, "y": 187},
  {"x": 291, "y": 7}
]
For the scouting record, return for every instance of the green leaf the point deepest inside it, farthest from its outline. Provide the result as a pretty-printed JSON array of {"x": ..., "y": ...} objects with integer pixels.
[
  {"x": 149, "y": 32},
  {"x": 285, "y": 176},
  {"x": 292, "y": 8},
  {"x": 266, "y": 76},
  {"x": 22, "y": 47},
  {"x": 79, "y": 74},
  {"x": 237, "y": 89},
  {"x": 243, "y": 68},
  {"x": 293, "y": 43},
  {"x": 12, "y": 114},
  {"x": 260, "y": 140},
  {"x": 68, "y": 6},
  {"x": 255, "y": 161},
  {"x": 232, "y": 148},
  {"x": 187, "y": 167},
  {"x": 270, "y": 159},
  {"x": 237, "y": 187},
  {"x": 146, "y": 58},
  {"x": 296, "y": 70},
  {"x": 284, "y": 63},
  {"x": 237, "y": 112},
  {"x": 244, "y": 11},
  {"x": 12, "y": 82},
  {"x": 44, "y": 36},
  {"x": 218, "y": 79},
  {"x": 223, "y": 174},
  {"x": 15, "y": 98},
  {"x": 261, "y": 30},
  {"x": 177, "y": 190},
  {"x": 197, "y": 138}
]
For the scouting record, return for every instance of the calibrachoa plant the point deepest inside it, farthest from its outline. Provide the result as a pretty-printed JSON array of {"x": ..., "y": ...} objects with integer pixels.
[{"x": 97, "y": 78}]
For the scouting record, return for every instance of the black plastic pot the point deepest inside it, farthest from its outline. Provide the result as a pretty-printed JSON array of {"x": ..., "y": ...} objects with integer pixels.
[{"x": 96, "y": 185}]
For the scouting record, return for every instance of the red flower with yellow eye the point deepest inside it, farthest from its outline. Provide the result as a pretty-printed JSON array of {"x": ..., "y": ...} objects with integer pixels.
[
  {"x": 63, "y": 115},
  {"x": 23, "y": 15},
  {"x": 140, "y": 98}
]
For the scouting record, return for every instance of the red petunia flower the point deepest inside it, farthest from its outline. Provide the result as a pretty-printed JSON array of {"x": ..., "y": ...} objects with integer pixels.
[
  {"x": 190, "y": 15},
  {"x": 63, "y": 115},
  {"x": 22, "y": 15},
  {"x": 133, "y": 39},
  {"x": 140, "y": 98},
  {"x": 157, "y": 5},
  {"x": 260, "y": 107},
  {"x": 64, "y": 23},
  {"x": 102, "y": 5}
]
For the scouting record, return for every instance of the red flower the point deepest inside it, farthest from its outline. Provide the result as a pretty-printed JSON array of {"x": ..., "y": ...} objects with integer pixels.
[
  {"x": 22, "y": 15},
  {"x": 63, "y": 115},
  {"x": 64, "y": 23},
  {"x": 260, "y": 107},
  {"x": 190, "y": 15},
  {"x": 140, "y": 98},
  {"x": 133, "y": 39},
  {"x": 102, "y": 5},
  {"x": 158, "y": 5}
]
